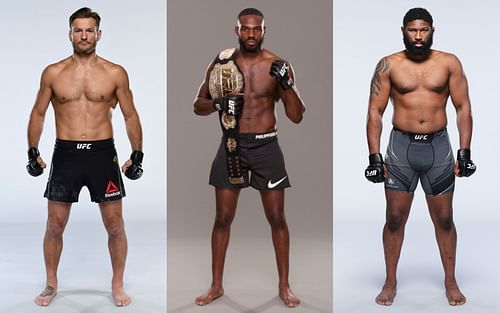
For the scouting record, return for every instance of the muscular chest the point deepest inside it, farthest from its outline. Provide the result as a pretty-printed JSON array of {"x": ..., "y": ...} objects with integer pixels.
[
  {"x": 93, "y": 86},
  {"x": 423, "y": 77},
  {"x": 258, "y": 82}
]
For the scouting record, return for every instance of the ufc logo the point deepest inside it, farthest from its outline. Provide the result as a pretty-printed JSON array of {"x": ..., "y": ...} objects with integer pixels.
[
  {"x": 84, "y": 146},
  {"x": 421, "y": 137},
  {"x": 370, "y": 173},
  {"x": 284, "y": 69},
  {"x": 230, "y": 107}
]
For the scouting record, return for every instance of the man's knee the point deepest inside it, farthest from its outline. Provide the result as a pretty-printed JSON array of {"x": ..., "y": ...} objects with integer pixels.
[
  {"x": 445, "y": 223},
  {"x": 55, "y": 229},
  {"x": 115, "y": 229},
  {"x": 394, "y": 222},
  {"x": 276, "y": 218},
  {"x": 223, "y": 219}
]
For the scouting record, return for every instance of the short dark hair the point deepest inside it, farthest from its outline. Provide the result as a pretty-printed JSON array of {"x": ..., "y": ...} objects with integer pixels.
[
  {"x": 85, "y": 13},
  {"x": 417, "y": 14},
  {"x": 250, "y": 11}
]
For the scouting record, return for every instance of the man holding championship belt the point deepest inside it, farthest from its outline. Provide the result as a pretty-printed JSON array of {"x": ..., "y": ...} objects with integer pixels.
[
  {"x": 419, "y": 81},
  {"x": 243, "y": 85},
  {"x": 84, "y": 89}
]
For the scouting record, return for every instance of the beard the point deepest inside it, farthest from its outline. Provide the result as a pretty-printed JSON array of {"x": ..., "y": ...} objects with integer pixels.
[
  {"x": 418, "y": 51},
  {"x": 89, "y": 48},
  {"x": 253, "y": 49}
]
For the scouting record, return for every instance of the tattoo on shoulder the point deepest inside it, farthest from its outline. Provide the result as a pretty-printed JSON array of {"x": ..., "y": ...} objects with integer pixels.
[{"x": 375, "y": 85}]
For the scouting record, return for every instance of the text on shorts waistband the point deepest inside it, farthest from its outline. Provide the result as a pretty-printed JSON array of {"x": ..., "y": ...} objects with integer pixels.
[
  {"x": 90, "y": 145},
  {"x": 423, "y": 138}
]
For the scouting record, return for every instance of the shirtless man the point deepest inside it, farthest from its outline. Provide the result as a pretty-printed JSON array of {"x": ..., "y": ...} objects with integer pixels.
[
  {"x": 84, "y": 89},
  {"x": 419, "y": 81},
  {"x": 267, "y": 79}
]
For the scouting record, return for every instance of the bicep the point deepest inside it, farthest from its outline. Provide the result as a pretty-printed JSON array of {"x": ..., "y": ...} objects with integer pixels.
[
  {"x": 459, "y": 89},
  {"x": 380, "y": 86},
  {"x": 44, "y": 95},
  {"x": 124, "y": 94},
  {"x": 204, "y": 91}
]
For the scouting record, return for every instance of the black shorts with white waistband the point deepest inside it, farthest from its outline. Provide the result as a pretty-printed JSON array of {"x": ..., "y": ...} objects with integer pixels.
[
  {"x": 84, "y": 163},
  {"x": 262, "y": 163}
]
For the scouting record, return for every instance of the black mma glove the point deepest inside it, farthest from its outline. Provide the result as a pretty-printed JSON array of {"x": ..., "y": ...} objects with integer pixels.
[
  {"x": 465, "y": 165},
  {"x": 375, "y": 171},
  {"x": 134, "y": 171},
  {"x": 34, "y": 169},
  {"x": 280, "y": 70},
  {"x": 232, "y": 105}
]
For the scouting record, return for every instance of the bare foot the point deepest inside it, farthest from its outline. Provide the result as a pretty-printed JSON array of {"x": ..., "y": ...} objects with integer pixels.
[
  {"x": 288, "y": 298},
  {"x": 120, "y": 297},
  {"x": 387, "y": 294},
  {"x": 454, "y": 295},
  {"x": 46, "y": 296},
  {"x": 209, "y": 296}
]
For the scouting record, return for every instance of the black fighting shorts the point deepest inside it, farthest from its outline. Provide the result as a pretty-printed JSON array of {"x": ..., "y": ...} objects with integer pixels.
[
  {"x": 428, "y": 157},
  {"x": 84, "y": 163},
  {"x": 262, "y": 163}
]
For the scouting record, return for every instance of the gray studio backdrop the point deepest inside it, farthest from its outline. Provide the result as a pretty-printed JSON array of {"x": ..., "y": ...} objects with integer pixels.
[
  {"x": 35, "y": 34},
  {"x": 365, "y": 31},
  {"x": 297, "y": 31}
]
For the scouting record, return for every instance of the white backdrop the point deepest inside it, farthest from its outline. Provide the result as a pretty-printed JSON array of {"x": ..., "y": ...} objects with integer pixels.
[
  {"x": 364, "y": 32},
  {"x": 35, "y": 34}
]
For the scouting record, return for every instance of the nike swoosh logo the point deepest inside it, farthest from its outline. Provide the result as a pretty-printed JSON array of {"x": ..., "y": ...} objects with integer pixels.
[{"x": 271, "y": 185}]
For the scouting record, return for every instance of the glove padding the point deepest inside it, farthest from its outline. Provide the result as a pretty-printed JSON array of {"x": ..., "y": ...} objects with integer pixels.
[
  {"x": 134, "y": 171},
  {"x": 232, "y": 105},
  {"x": 465, "y": 165},
  {"x": 33, "y": 167},
  {"x": 375, "y": 171},
  {"x": 280, "y": 69}
]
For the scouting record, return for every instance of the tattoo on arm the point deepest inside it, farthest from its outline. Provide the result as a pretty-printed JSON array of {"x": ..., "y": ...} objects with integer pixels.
[{"x": 376, "y": 83}]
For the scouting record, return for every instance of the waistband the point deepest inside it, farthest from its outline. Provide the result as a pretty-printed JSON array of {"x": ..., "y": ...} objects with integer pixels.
[
  {"x": 84, "y": 146},
  {"x": 259, "y": 137},
  {"x": 423, "y": 137}
]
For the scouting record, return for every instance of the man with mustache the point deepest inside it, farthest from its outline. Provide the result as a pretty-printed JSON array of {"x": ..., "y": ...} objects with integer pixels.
[
  {"x": 253, "y": 80},
  {"x": 84, "y": 89},
  {"x": 419, "y": 81}
]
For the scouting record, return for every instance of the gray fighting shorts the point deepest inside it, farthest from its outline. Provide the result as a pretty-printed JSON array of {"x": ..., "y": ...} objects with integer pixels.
[{"x": 428, "y": 157}]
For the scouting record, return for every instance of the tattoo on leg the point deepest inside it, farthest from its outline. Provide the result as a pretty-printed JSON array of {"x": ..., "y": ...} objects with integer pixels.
[{"x": 382, "y": 66}]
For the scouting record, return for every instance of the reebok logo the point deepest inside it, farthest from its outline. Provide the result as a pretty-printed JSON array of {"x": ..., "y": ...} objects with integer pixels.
[
  {"x": 271, "y": 185},
  {"x": 111, "y": 190},
  {"x": 81, "y": 146}
]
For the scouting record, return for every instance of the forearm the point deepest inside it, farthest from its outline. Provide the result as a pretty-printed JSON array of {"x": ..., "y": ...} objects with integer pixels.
[
  {"x": 203, "y": 106},
  {"x": 373, "y": 132},
  {"x": 134, "y": 131},
  {"x": 294, "y": 107},
  {"x": 464, "y": 124},
  {"x": 35, "y": 128}
]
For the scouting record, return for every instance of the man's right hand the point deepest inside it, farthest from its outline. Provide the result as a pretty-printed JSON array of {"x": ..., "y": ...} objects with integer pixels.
[
  {"x": 375, "y": 171},
  {"x": 35, "y": 163},
  {"x": 232, "y": 105}
]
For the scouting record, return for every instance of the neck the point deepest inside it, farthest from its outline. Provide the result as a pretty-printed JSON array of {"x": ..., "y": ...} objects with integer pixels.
[
  {"x": 418, "y": 57},
  {"x": 250, "y": 55},
  {"x": 84, "y": 58}
]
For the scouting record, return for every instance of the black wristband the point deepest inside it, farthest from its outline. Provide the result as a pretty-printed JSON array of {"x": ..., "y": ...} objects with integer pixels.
[
  {"x": 33, "y": 153},
  {"x": 136, "y": 157},
  {"x": 463, "y": 154},
  {"x": 376, "y": 158}
]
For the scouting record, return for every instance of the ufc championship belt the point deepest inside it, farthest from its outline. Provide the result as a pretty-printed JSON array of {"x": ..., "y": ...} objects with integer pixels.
[{"x": 225, "y": 79}]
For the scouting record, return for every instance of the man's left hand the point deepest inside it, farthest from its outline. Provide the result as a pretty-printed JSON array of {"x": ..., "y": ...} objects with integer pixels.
[{"x": 280, "y": 69}]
